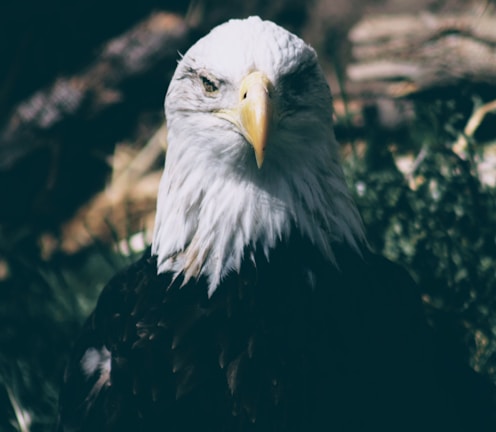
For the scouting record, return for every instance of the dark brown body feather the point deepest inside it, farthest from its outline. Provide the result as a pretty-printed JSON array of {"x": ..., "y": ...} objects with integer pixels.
[{"x": 294, "y": 344}]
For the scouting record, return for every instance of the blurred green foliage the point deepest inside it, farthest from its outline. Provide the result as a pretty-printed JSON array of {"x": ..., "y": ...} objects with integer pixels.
[{"x": 439, "y": 222}]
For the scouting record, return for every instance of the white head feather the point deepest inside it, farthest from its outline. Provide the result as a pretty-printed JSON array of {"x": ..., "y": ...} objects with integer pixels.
[{"x": 214, "y": 203}]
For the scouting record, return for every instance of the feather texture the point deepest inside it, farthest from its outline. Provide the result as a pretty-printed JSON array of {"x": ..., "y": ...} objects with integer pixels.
[
  {"x": 213, "y": 200},
  {"x": 266, "y": 353}
]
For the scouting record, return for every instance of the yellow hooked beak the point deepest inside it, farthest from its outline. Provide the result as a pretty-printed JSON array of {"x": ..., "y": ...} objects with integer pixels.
[{"x": 253, "y": 114}]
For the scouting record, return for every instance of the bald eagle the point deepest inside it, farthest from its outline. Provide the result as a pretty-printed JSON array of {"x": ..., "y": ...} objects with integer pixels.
[{"x": 259, "y": 306}]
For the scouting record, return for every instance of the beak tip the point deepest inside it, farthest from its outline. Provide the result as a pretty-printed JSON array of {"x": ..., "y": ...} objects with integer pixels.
[{"x": 260, "y": 159}]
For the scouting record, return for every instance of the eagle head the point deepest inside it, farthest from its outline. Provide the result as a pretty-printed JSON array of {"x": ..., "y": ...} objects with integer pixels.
[{"x": 251, "y": 154}]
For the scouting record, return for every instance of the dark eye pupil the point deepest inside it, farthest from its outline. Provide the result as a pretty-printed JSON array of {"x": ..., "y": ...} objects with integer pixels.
[{"x": 208, "y": 85}]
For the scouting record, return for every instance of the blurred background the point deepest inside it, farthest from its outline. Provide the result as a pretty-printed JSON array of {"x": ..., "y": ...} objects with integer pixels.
[{"x": 83, "y": 141}]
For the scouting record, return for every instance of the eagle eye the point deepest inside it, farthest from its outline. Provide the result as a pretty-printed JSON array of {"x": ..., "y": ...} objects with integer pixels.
[{"x": 210, "y": 85}]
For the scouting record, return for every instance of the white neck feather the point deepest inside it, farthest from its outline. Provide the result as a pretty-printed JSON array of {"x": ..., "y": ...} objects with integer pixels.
[{"x": 209, "y": 212}]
